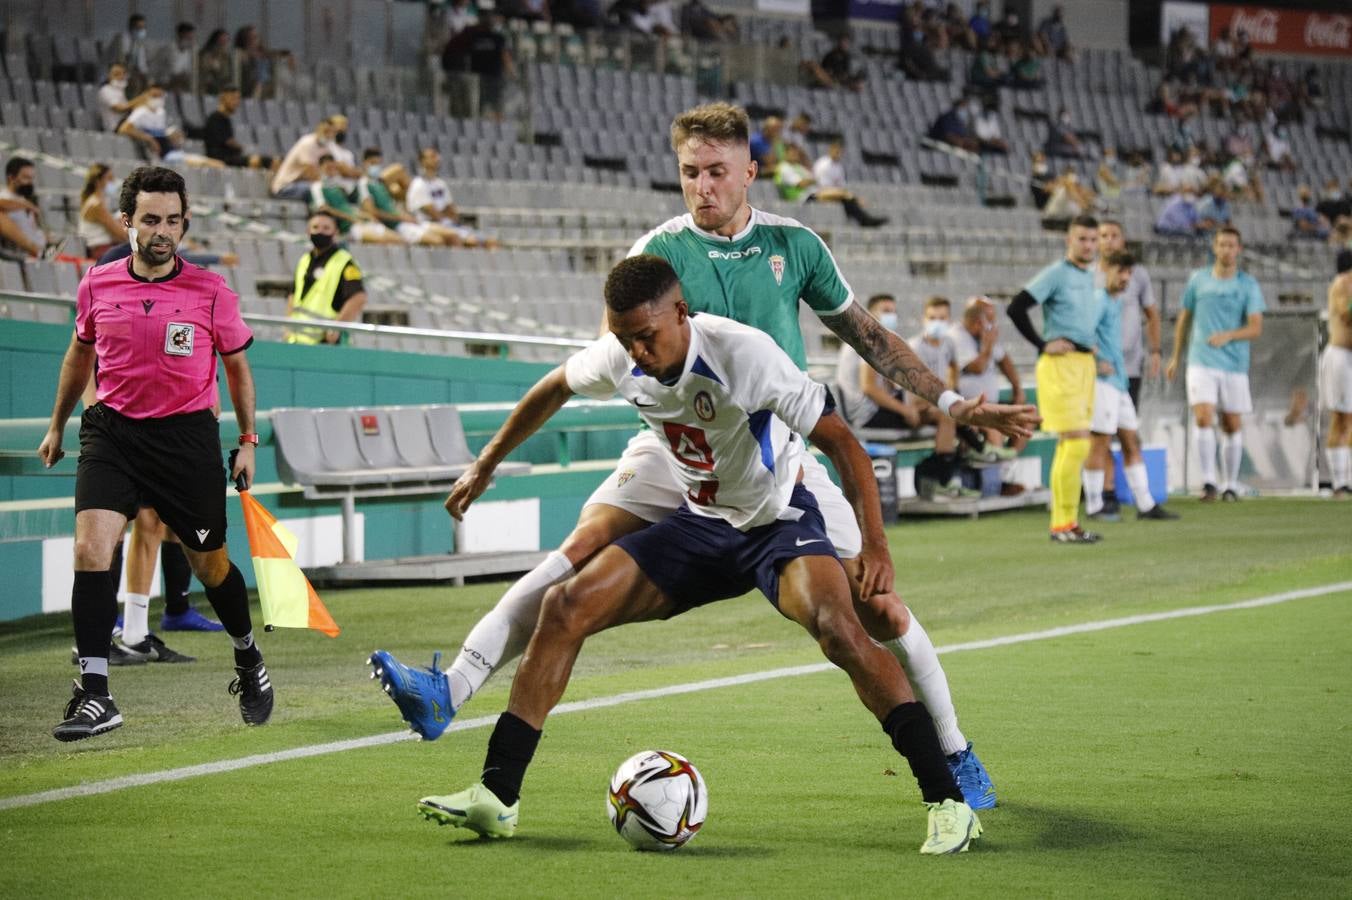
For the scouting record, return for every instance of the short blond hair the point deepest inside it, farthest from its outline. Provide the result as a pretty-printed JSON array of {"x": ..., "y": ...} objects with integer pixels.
[{"x": 717, "y": 123}]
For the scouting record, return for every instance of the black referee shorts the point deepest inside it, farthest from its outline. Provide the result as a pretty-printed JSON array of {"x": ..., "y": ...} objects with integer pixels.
[{"x": 172, "y": 465}]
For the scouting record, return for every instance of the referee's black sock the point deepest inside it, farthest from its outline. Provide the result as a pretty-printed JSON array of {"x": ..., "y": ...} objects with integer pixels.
[
  {"x": 912, "y": 732},
  {"x": 177, "y": 578},
  {"x": 93, "y": 606},
  {"x": 510, "y": 751},
  {"x": 230, "y": 599}
]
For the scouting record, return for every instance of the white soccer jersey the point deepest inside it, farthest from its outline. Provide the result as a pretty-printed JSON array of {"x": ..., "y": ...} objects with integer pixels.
[{"x": 729, "y": 423}]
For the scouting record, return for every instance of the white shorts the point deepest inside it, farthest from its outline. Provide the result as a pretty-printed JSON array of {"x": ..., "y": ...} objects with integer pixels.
[
  {"x": 1227, "y": 391},
  {"x": 1113, "y": 410},
  {"x": 1335, "y": 379},
  {"x": 643, "y": 484},
  {"x": 412, "y": 232},
  {"x": 368, "y": 231}
]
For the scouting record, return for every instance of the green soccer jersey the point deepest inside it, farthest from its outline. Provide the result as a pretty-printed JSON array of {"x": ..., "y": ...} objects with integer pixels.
[{"x": 756, "y": 277}]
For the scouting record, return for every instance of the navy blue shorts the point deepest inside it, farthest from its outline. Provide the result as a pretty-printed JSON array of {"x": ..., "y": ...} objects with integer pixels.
[{"x": 696, "y": 559}]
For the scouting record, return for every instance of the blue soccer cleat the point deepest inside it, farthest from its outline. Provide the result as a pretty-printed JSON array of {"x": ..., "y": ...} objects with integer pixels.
[
  {"x": 422, "y": 695},
  {"x": 192, "y": 620},
  {"x": 972, "y": 779}
]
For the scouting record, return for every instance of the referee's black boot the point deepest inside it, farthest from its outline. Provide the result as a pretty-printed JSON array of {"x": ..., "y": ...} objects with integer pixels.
[
  {"x": 255, "y": 693},
  {"x": 87, "y": 715}
]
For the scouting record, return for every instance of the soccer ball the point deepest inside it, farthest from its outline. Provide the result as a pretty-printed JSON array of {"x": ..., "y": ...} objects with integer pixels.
[{"x": 657, "y": 800}]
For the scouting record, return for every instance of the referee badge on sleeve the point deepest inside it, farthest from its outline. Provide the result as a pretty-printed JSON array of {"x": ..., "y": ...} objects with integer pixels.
[{"x": 178, "y": 337}]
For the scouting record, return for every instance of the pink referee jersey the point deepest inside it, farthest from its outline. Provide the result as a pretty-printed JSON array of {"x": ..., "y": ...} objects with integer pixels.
[{"x": 156, "y": 341}]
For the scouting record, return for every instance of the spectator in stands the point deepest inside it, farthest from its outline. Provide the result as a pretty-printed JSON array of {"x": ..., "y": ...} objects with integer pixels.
[
  {"x": 148, "y": 125},
  {"x": 986, "y": 127},
  {"x": 1068, "y": 198},
  {"x": 177, "y": 155},
  {"x": 1040, "y": 179},
  {"x": 258, "y": 64},
  {"x": 869, "y": 399},
  {"x": 481, "y": 49},
  {"x": 651, "y": 17},
  {"x": 980, "y": 359},
  {"x": 981, "y": 23},
  {"x": 300, "y": 166},
  {"x": 1169, "y": 180},
  {"x": 429, "y": 198},
  {"x": 987, "y": 70},
  {"x": 799, "y": 132},
  {"x": 796, "y": 183},
  {"x": 216, "y": 63},
  {"x": 1052, "y": 36},
  {"x": 377, "y": 201},
  {"x": 113, "y": 102},
  {"x": 839, "y": 68},
  {"x": 915, "y": 56},
  {"x": 1306, "y": 222},
  {"x": 98, "y": 227},
  {"x": 959, "y": 32},
  {"x": 767, "y": 145},
  {"x": 1277, "y": 147},
  {"x": 702, "y": 23},
  {"x": 173, "y": 63},
  {"x": 1136, "y": 178},
  {"x": 1243, "y": 182},
  {"x": 328, "y": 285},
  {"x": 1108, "y": 178},
  {"x": 329, "y": 195},
  {"x": 1213, "y": 212},
  {"x": 218, "y": 134},
  {"x": 1178, "y": 217},
  {"x": 1061, "y": 137},
  {"x": 21, "y": 230},
  {"x": 953, "y": 128},
  {"x": 1333, "y": 203},
  {"x": 460, "y": 14},
  {"x": 131, "y": 48},
  {"x": 527, "y": 10},
  {"x": 1025, "y": 69},
  {"x": 1011, "y": 29}
]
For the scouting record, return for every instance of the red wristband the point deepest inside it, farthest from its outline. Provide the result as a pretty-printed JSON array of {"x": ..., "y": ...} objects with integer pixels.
[{"x": 248, "y": 439}]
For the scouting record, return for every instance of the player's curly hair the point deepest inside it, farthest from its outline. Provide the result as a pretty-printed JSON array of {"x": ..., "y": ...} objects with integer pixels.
[
  {"x": 638, "y": 280},
  {"x": 152, "y": 180},
  {"x": 718, "y": 123},
  {"x": 1122, "y": 259}
]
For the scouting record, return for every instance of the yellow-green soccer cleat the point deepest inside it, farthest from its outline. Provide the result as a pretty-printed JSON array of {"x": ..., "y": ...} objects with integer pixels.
[
  {"x": 476, "y": 808},
  {"x": 952, "y": 828}
]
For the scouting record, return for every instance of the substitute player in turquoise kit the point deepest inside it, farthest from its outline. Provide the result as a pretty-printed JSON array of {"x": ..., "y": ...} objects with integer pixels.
[
  {"x": 755, "y": 268},
  {"x": 1222, "y": 312},
  {"x": 727, "y": 408}
]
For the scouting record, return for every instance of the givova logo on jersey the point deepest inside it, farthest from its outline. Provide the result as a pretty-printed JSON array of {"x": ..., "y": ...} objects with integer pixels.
[{"x": 748, "y": 253}]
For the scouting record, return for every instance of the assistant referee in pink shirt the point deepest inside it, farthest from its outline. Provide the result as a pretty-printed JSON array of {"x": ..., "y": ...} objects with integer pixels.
[{"x": 150, "y": 327}]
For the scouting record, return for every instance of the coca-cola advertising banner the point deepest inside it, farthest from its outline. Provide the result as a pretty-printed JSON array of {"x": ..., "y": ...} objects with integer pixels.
[{"x": 1285, "y": 30}]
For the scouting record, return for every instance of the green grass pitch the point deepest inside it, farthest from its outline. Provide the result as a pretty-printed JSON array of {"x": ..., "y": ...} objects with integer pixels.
[{"x": 1203, "y": 756}]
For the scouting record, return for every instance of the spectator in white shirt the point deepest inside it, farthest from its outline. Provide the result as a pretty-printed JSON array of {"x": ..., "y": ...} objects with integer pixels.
[
  {"x": 986, "y": 127},
  {"x": 173, "y": 63},
  {"x": 148, "y": 124},
  {"x": 827, "y": 170},
  {"x": 981, "y": 359},
  {"x": 113, "y": 102},
  {"x": 429, "y": 198},
  {"x": 300, "y": 167}
]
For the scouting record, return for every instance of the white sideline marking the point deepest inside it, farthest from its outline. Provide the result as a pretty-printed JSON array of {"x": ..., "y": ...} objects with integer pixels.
[{"x": 111, "y": 785}]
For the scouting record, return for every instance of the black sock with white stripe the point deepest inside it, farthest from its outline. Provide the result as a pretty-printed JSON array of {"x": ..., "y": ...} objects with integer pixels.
[
  {"x": 230, "y": 600},
  {"x": 93, "y": 606}
]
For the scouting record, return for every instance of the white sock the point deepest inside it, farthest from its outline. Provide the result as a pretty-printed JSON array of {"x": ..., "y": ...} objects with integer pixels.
[
  {"x": 1093, "y": 490},
  {"x": 1232, "y": 454},
  {"x": 916, "y": 653},
  {"x": 502, "y": 634},
  {"x": 1139, "y": 483},
  {"x": 135, "y": 618},
  {"x": 1340, "y": 466},
  {"x": 1206, "y": 450}
]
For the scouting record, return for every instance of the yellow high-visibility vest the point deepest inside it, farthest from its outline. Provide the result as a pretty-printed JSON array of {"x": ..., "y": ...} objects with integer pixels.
[{"x": 317, "y": 302}]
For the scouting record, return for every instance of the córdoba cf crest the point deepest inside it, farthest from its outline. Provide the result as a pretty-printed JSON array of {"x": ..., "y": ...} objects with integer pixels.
[{"x": 777, "y": 266}]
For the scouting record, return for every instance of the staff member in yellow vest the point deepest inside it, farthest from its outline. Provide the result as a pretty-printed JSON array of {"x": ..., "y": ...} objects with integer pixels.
[{"x": 328, "y": 285}]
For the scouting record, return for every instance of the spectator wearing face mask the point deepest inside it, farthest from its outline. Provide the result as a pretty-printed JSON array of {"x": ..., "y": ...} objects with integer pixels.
[
  {"x": 1306, "y": 222},
  {"x": 328, "y": 286},
  {"x": 21, "y": 231},
  {"x": 348, "y": 170},
  {"x": 148, "y": 125},
  {"x": 375, "y": 199},
  {"x": 329, "y": 196},
  {"x": 98, "y": 227},
  {"x": 113, "y": 102},
  {"x": 981, "y": 359},
  {"x": 1062, "y": 139},
  {"x": 868, "y": 399},
  {"x": 131, "y": 48},
  {"x": 300, "y": 167}
]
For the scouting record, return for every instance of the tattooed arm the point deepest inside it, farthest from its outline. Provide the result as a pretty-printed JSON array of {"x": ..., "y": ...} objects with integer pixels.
[
  {"x": 894, "y": 359},
  {"x": 885, "y": 351}
]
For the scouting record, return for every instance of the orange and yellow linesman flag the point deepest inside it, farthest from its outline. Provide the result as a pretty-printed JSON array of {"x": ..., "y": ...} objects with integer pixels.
[{"x": 285, "y": 593}]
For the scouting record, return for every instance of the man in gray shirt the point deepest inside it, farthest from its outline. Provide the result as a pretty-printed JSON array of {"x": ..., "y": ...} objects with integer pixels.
[{"x": 1138, "y": 304}]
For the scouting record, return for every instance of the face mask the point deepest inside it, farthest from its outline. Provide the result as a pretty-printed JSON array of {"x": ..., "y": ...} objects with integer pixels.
[
  {"x": 888, "y": 320},
  {"x": 1065, "y": 119},
  {"x": 935, "y": 328},
  {"x": 120, "y": 84},
  {"x": 139, "y": 34},
  {"x": 26, "y": 191},
  {"x": 322, "y": 241},
  {"x": 111, "y": 191},
  {"x": 373, "y": 171},
  {"x": 340, "y": 137},
  {"x": 155, "y": 106}
]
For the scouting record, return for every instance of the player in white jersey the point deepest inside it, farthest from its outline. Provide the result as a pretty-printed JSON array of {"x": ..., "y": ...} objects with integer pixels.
[
  {"x": 755, "y": 268},
  {"x": 727, "y": 407},
  {"x": 1335, "y": 379}
]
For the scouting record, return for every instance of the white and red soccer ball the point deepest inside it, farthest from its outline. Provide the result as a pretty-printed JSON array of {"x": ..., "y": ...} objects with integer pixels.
[{"x": 657, "y": 800}]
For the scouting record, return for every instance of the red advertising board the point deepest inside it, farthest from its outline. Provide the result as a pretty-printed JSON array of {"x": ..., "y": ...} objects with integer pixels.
[{"x": 1285, "y": 30}]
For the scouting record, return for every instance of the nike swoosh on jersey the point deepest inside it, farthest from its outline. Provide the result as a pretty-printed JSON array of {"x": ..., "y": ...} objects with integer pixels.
[{"x": 802, "y": 543}]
